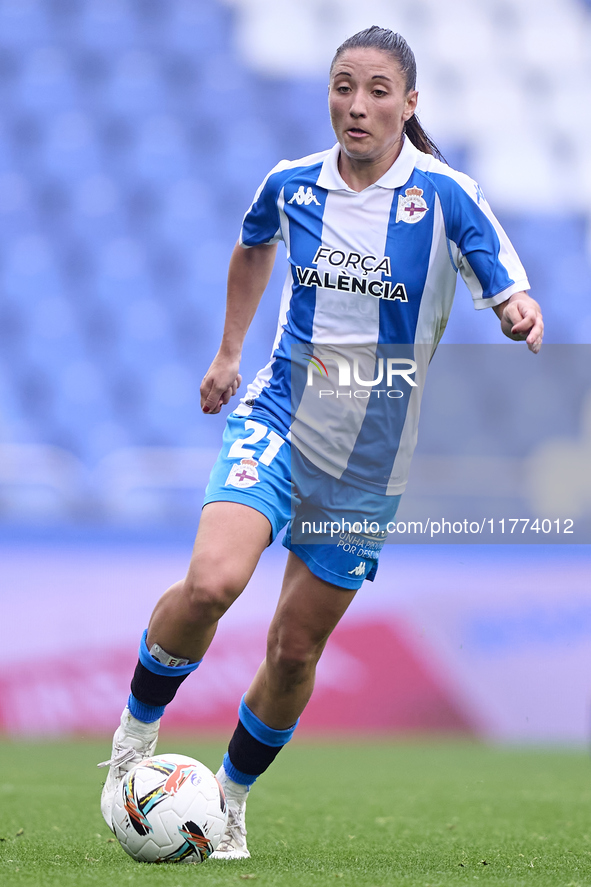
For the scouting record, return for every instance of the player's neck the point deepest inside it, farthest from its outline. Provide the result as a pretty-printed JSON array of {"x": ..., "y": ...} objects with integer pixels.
[{"x": 360, "y": 174}]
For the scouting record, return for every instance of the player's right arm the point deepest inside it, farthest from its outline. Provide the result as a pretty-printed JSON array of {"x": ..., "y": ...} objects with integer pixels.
[{"x": 248, "y": 276}]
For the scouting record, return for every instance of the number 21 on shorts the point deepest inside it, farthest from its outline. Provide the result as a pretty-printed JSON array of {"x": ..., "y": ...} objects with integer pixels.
[{"x": 258, "y": 432}]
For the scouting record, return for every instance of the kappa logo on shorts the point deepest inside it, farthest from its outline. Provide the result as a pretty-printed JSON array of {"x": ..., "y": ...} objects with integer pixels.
[
  {"x": 411, "y": 208},
  {"x": 305, "y": 197},
  {"x": 359, "y": 570},
  {"x": 243, "y": 474}
]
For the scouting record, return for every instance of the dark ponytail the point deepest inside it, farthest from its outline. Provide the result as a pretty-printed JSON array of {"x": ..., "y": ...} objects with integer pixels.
[
  {"x": 387, "y": 41},
  {"x": 421, "y": 139}
]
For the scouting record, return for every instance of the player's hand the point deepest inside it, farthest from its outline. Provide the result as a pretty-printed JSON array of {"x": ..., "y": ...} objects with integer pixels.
[
  {"x": 221, "y": 382},
  {"x": 521, "y": 320}
]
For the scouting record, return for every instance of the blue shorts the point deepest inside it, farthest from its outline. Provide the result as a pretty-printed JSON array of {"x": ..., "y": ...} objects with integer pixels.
[{"x": 337, "y": 530}]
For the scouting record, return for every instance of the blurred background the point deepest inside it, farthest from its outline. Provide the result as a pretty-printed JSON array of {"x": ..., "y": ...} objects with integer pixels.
[{"x": 133, "y": 135}]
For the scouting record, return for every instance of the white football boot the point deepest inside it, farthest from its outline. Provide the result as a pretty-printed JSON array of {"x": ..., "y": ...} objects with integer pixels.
[
  {"x": 133, "y": 742},
  {"x": 233, "y": 843}
]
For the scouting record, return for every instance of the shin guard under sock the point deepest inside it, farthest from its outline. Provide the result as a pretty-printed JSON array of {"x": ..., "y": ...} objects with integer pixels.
[
  {"x": 154, "y": 685},
  {"x": 253, "y": 747}
]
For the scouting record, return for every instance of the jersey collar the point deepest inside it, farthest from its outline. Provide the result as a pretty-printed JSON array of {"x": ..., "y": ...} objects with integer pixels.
[{"x": 399, "y": 173}]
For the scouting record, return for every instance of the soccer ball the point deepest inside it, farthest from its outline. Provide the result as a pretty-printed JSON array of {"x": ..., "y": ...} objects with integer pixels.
[{"x": 169, "y": 808}]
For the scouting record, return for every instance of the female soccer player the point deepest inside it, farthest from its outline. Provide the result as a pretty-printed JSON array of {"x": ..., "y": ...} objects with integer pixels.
[{"x": 375, "y": 230}]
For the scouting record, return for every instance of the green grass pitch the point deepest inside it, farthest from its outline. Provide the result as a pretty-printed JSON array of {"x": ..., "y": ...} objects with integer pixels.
[{"x": 350, "y": 814}]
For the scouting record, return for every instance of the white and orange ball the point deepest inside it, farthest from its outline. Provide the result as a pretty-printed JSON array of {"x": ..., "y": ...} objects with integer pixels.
[{"x": 170, "y": 808}]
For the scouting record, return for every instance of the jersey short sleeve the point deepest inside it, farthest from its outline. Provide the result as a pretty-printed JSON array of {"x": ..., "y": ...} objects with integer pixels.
[
  {"x": 479, "y": 246},
  {"x": 262, "y": 224}
]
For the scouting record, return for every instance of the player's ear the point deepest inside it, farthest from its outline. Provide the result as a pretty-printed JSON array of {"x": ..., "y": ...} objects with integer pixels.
[{"x": 410, "y": 107}]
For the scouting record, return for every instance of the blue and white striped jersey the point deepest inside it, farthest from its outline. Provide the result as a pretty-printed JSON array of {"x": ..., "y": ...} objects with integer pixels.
[{"x": 371, "y": 275}]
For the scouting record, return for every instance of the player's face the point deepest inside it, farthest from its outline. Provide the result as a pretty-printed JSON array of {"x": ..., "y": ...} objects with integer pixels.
[{"x": 369, "y": 104}]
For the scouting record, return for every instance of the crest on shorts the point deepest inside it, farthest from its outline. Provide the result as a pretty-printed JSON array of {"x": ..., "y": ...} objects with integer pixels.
[
  {"x": 243, "y": 474},
  {"x": 411, "y": 207}
]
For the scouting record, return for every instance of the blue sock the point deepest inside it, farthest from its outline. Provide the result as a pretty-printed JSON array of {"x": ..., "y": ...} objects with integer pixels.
[
  {"x": 253, "y": 747},
  {"x": 146, "y": 713},
  {"x": 154, "y": 685}
]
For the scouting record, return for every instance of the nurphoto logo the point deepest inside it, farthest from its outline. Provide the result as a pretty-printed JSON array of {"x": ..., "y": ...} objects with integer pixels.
[{"x": 388, "y": 371}]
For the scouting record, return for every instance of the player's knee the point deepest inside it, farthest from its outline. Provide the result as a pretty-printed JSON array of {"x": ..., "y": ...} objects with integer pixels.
[
  {"x": 292, "y": 661},
  {"x": 208, "y": 597}
]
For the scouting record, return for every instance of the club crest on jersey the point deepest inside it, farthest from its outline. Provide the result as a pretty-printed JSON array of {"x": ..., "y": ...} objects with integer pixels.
[
  {"x": 304, "y": 197},
  {"x": 412, "y": 207},
  {"x": 243, "y": 474}
]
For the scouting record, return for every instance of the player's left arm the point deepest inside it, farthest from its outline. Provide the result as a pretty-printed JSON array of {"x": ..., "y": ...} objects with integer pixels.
[
  {"x": 521, "y": 319},
  {"x": 487, "y": 260}
]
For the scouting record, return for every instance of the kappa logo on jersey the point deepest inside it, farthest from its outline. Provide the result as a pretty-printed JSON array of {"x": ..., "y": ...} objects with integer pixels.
[
  {"x": 304, "y": 198},
  {"x": 412, "y": 207},
  {"x": 359, "y": 570},
  {"x": 243, "y": 474}
]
